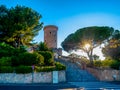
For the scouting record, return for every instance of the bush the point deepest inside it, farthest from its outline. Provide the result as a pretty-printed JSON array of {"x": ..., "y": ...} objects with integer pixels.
[
  {"x": 115, "y": 64},
  {"x": 107, "y": 63},
  {"x": 44, "y": 69},
  {"x": 15, "y": 61},
  {"x": 5, "y": 61},
  {"x": 6, "y": 50},
  {"x": 48, "y": 57},
  {"x": 28, "y": 59},
  {"x": 3, "y": 53},
  {"x": 6, "y": 69},
  {"x": 60, "y": 66},
  {"x": 97, "y": 63},
  {"x": 23, "y": 69},
  {"x": 39, "y": 59},
  {"x": 18, "y": 51}
]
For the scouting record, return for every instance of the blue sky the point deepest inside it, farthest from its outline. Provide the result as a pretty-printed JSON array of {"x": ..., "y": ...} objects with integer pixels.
[{"x": 70, "y": 15}]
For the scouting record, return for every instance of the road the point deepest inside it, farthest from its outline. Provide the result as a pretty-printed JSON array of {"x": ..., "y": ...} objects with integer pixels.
[
  {"x": 36, "y": 86},
  {"x": 64, "y": 86}
]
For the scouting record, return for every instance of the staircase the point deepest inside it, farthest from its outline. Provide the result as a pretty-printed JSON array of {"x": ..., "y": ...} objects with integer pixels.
[{"x": 75, "y": 74}]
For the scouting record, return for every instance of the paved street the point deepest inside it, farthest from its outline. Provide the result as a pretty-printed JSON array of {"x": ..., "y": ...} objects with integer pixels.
[
  {"x": 36, "y": 86},
  {"x": 64, "y": 86}
]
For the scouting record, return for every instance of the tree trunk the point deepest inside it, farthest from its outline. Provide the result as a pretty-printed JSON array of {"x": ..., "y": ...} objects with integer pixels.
[{"x": 90, "y": 56}]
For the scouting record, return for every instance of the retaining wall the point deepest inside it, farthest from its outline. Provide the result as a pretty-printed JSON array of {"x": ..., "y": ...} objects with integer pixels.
[
  {"x": 41, "y": 77},
  {"x": 105, "y": 74}
]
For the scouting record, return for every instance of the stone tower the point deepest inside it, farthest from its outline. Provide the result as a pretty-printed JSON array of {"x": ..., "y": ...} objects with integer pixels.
[{"x": 50, "y": 36}]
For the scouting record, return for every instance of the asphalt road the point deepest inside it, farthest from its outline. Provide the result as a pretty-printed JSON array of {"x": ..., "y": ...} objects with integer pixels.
[
  {"x": 63, "y": 86},
  {"x": 36, "y": 86}
]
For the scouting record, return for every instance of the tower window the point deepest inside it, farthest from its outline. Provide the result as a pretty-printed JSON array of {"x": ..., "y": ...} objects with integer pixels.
[{"x": 50, "y": 32}]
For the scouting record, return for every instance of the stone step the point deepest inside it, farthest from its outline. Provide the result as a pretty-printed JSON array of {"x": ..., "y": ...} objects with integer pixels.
[{"x": 74, "y": 73}]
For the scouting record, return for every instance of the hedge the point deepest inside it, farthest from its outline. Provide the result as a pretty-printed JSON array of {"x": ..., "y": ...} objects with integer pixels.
[
  {"x": 28, "y": 59},
  {"x": 57, "y": 67},
  {"x": 6, "y": 69},
  {"x": 48, "y": 57},
  {"x": 5, "y": 61},
  {"x": 23, "y": 69}
]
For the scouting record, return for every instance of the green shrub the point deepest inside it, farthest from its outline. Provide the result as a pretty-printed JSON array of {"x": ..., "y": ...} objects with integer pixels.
[
  {"x": 4, "y": 46},
  {"x": 39, "y": 59},
  {"x": 97, "y": 63},
  {"x": 44, "y": 69},
  {"x": 23, "y": 69},
  {"x": 6, "y": 69},
  {"x": 60, "y": 66},
  {"x": 18, "y": 51},
  {"x": 5, "y": 61},
  {"x": 15, "y": 61},
  {"x": 6, "y": 50},
  {"x": 107, "y": 63},
  {"x": 48, "y": 57},
  {"x": 29, "y": 59},
  {"x": 115, "y": 64},
  {"x": 43, "y": 47},
  {"x": 3, "y": 53}
]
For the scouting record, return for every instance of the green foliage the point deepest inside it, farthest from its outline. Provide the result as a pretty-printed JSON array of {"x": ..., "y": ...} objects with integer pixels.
[
  {"x": 5, "y": 61},
  {"x": 94, "y": 36},
  {"x": 97, "y": 63},
  {"x": 5, "y": 46},
  {"x": 23, "y": 69},
  {"x": 7, "y": 51},
  {"x": 107, "y": 63},
  {"x": 115, "y": 65},
  {"x": 19, "y": 25},
  {"x": 104, "y": 63},
  {"x": 6, "y": 69},
  {"x": 28, "y": 59},
  {"x": 48, "y": 57},
  {"x": 60, "y": 66},
  {"x": 44, "y": 69},
  {"x": 15, "y": 61},
  {"x": 39, "y": 59},
  {"x": 112, "y": 48},
  {"x": 43, "y": 47}
]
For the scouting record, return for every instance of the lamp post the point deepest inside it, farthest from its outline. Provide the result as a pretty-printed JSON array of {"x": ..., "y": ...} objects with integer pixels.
[{"x": 33, "y": 72}]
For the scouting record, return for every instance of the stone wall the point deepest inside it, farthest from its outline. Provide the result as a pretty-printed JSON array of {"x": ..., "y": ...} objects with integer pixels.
[
  {"x": 105, "y": 74},
  {"x": 42, "y": 77}
]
